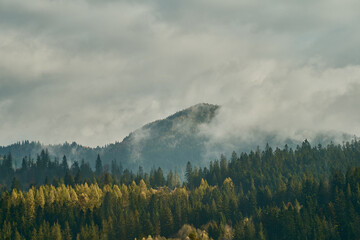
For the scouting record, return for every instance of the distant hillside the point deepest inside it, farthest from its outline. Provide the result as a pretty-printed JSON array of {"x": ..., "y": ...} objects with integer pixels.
[
  {"x": 31, "y": 149},
  {"x": 168, "y": 143}
]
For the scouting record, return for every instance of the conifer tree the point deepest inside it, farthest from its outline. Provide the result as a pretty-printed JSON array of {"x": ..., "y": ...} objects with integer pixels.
[
  {"x": 98, "y": 166},
  {"x": 56, "y": 232},
  {"x": 30, "y": 206},
  {"x": 67, "y": 232},
  {"x": 17, "y": 235}
]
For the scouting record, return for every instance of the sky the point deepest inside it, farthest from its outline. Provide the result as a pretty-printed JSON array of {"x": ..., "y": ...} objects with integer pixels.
[{"x": 92, "y": 71}]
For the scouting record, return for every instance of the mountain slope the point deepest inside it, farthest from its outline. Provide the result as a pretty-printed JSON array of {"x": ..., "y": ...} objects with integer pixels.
[
  {"x": 168, "y": 143},
  {"x": 171, "y": 142}
]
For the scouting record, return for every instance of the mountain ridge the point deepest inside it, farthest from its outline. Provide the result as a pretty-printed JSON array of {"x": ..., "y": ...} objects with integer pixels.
[
  {"x": 168, "y": 143},
  {"x": 134, "y": 150}
]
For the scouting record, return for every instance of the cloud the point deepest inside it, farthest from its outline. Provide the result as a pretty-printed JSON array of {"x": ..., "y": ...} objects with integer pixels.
[
  {"x": 291, "y": 103},
  {"x": 93, "y": 71}
]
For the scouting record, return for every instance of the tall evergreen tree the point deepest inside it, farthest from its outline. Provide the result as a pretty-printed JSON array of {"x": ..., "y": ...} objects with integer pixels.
[{"x": 98, "y": 166}]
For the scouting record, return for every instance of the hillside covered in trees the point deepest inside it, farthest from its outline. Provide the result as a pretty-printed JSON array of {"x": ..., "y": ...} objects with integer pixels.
[
  {"x": 169, "y": 143},
  {"x": 311, "y": 192}
]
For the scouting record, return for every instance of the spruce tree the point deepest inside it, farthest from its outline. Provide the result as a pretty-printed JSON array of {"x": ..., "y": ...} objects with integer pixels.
[{"x": 98, "y": 166}]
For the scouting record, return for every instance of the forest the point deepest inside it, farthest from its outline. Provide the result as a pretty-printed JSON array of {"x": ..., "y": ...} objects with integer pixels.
[{"x": 310, "y": 192}]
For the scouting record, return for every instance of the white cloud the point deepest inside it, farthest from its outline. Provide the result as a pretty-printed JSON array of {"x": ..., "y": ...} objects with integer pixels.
[{"x": 93, "y": 71}]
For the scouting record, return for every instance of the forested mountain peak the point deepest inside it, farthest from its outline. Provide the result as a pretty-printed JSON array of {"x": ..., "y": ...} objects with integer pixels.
[
  {"x": 197, "y": 114},
  {"x": 184, "y": 121},
  {"x": 169, "y": 143}
]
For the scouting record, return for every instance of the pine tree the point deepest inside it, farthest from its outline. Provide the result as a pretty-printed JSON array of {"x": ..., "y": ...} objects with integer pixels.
[
  {"x": 98, "y": 166},
  {"x": 56, "y": 232},
  {"x": 15, "y": 184},
  {"x": 167, "y": 221},
  {"x": 34, "y": 235},
  {"x": 64, "y": 164},
  {"x": 40, "y": 198},
  {"x": 67, "y": 232},
  {"x": 30, "y": 206},
  {"x": 17, "y": 235},
  {"x": 261, "y": 235},
  {"x": 188, "y": 173},
  {"x": 69, "y": 179},
  {"x": 6, "y": 231}
]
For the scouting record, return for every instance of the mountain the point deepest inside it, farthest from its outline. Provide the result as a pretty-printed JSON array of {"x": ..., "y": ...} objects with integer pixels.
[{"x": 169, "y": 143}]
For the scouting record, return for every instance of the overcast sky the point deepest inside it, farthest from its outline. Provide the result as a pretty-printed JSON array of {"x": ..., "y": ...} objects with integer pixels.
[{"x": 93, "y": 71}]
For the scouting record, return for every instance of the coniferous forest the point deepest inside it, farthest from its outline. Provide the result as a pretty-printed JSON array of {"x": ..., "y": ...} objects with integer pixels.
[
  {"x": 311, "y": 192},
  {"x": 179, "y": 120}
]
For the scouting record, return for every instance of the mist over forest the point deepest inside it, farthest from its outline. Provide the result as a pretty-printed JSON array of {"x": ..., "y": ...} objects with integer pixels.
[
  {"x": 188, "y": 135},
  {"x": 179, "y": 120}
]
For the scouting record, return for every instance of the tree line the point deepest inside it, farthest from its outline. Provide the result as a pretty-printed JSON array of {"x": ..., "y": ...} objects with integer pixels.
[{"x": 44, "y": 171}]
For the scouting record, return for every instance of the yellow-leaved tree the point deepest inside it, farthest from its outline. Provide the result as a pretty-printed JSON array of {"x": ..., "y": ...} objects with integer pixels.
[{"x": 30, "y": 206}]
